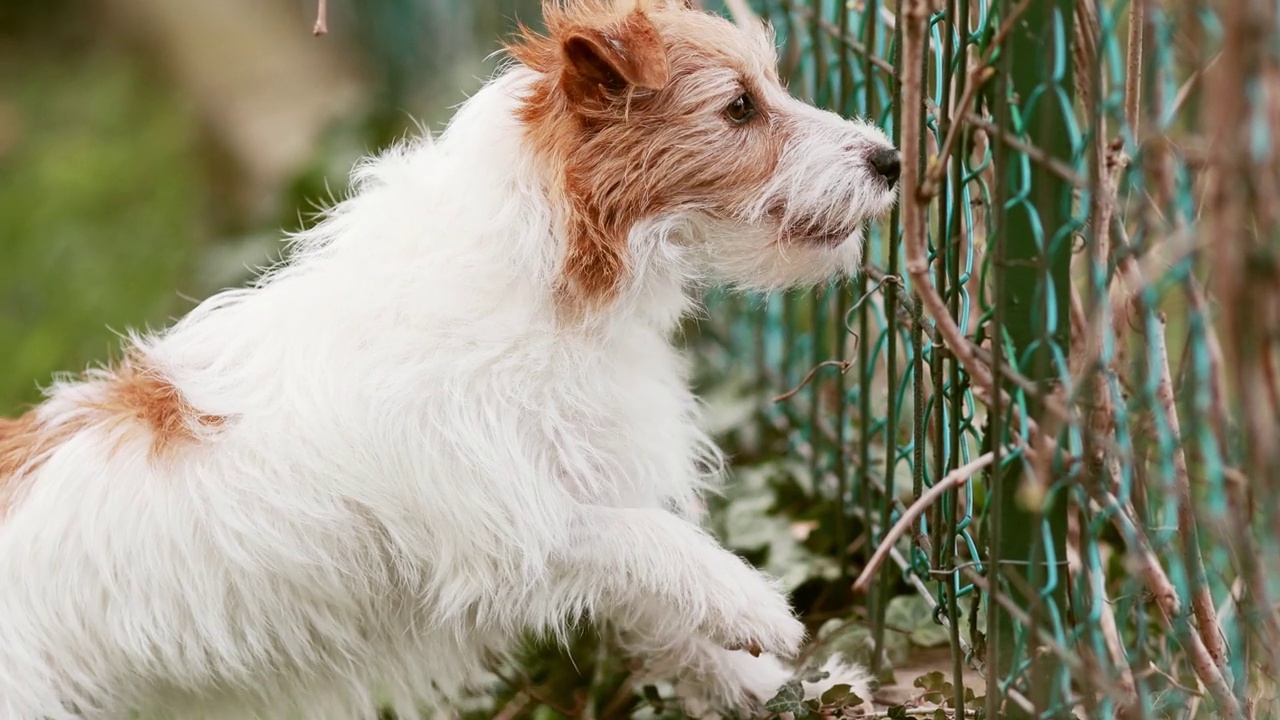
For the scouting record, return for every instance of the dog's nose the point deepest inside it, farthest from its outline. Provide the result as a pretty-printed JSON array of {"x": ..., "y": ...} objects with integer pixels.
[{"x": 886, "y": 162}]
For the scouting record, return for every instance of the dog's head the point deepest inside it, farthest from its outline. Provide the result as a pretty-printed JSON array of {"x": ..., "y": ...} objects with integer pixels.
[{"x": 649, "y": 112}]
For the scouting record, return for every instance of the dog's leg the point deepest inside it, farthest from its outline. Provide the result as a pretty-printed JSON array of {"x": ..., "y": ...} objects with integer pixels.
[
  {"x": 710, "y": 680},
  {"x": 645, "y": 566}
]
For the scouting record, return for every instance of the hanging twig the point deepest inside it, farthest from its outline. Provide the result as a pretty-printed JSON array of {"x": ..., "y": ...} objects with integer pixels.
[
  {"x": 1036, "y": 153},
  {"x": 846, "y": 39},
  {"x": 322, "y": 18}
]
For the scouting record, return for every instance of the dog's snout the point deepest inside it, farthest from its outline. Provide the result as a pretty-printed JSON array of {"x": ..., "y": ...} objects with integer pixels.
[{"x": 887, "y": 163}]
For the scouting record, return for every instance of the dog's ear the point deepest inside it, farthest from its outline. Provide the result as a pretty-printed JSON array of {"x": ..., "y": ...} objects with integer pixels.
[{"x": 622, "y": 55}]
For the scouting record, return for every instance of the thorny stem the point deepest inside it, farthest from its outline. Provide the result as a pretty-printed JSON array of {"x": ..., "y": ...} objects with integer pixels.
[{"x": 1105, "y": 167}]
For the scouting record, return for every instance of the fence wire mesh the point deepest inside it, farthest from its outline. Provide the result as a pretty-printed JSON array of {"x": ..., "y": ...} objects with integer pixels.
[{"x": 1056, "y": 369}]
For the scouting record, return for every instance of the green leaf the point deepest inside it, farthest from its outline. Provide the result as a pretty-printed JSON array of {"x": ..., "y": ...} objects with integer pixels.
[
  {"x": 836, "y": 695},
  {"x": 913, "y": 615},
  {"x": 790, "y": 699},
  {"x": 749, "y": 523},
  {"x": 934, "y": 681}
]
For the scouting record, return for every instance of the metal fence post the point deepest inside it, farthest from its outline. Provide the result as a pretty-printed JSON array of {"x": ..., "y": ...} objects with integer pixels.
[{"x": 1034, "y": 100}]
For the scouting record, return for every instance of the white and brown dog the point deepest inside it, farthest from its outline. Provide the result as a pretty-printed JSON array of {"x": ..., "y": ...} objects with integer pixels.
[{"x": 455, "y": 416}]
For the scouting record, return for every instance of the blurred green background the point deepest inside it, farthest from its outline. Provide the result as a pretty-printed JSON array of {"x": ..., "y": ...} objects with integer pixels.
[{"x": 154, "y": 151}]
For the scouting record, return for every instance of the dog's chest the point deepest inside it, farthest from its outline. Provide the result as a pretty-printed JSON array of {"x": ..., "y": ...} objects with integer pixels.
[{"x": 625, "y": 430}]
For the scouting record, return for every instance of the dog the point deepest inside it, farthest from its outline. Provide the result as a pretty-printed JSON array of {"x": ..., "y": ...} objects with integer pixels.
[{"x": 454, "y": 417}]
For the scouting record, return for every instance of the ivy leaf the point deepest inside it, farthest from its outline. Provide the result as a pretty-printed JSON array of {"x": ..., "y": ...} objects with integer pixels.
[
  {"x": 790, "y": 699},
  {"x": 931, "y": 682},
  {"x": 836, "y": 695}
]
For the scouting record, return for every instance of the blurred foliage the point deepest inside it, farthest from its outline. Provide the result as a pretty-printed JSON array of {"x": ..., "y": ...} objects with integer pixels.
[
  {"x": 99, "y": 210},
  {"x": 108, "y": 215}
]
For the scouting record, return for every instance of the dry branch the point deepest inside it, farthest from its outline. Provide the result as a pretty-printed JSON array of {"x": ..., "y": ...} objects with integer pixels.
[
  {"x": 913, "y": 209},
  {"x": 951, "y": 481},
  {"x": 1201, "y": 600}
]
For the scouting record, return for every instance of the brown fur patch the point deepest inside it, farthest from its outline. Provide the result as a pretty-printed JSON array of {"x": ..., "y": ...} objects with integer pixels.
[
  {"x": 624, "y": 147},
  {"x": 132, "y": 398},
  {"x": 137, "y": 394},
  {"x": 23, "y": 441}
]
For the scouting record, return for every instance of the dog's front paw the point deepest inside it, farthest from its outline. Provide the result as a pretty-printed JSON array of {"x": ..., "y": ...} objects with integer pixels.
[{"x": 750, "y": 614}]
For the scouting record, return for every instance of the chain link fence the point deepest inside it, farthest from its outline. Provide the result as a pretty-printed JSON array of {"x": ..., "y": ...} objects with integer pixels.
[{"x": 1048, "y": 403}]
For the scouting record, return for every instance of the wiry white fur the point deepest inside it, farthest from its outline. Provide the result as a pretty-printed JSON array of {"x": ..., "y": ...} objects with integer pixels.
[
  {"x": 420, "y": 463},
  {"x": 823, "y": 184}
]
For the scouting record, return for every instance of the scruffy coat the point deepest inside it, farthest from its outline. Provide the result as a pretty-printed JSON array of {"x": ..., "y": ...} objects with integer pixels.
[{"x": 456, "y": 414}]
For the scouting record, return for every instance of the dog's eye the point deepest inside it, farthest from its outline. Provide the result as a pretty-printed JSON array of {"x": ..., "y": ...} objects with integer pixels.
[{"x": 741, "y": 109}]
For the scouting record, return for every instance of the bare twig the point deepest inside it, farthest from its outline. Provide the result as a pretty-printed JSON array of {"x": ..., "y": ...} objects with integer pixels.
[
  {"x": 1047, "y": 639},
  {"x": 322, "y": 18},
  {"x": 1166, "y": 596},
  {"x": 952, "y": 480},
  {"x": 1036, "y": 153},
  {"x": 1106, "y": 620},
  {"x": 1201, "y": 599},
  {"x": 1133, "y": 68},
  {"x": 847, "y": 39},
  {"x": 844, "y": 366},
  {"x": 938, "y": 170},
  {"x": 1184, "y": 92},
  {"x": 913, "y": 211}
]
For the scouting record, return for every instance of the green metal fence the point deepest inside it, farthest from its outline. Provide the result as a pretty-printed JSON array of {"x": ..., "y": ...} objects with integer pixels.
[{"x": 1034, "y": 356}]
